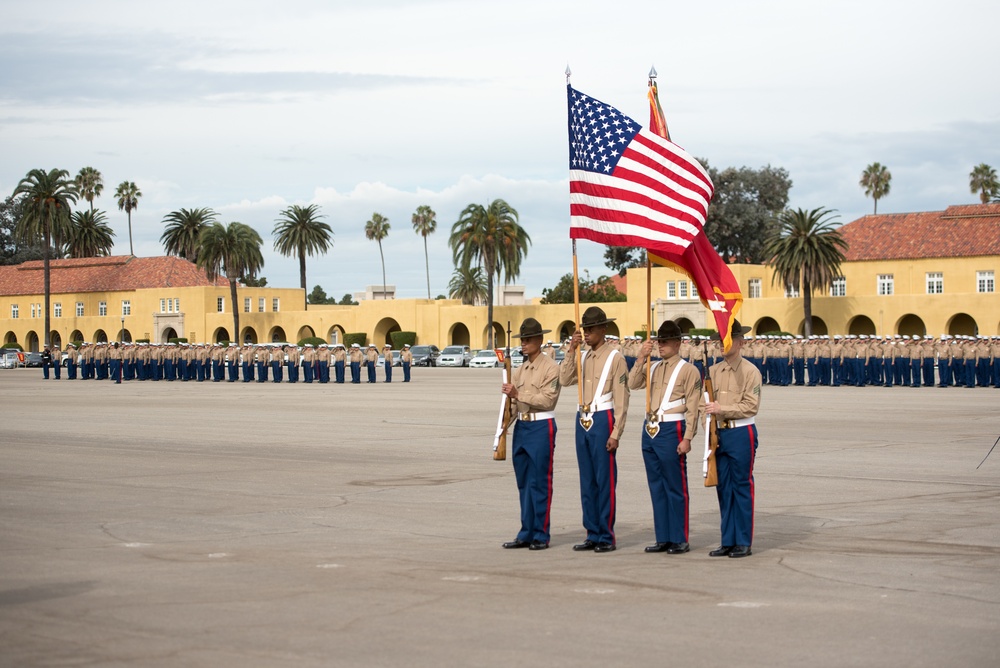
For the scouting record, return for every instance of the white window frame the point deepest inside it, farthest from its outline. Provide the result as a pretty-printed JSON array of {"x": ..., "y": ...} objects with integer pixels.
[
  {"x": 790, "y": 292},
  {"x": 694, "y": 291},
  {"x": 177, "y": 304},
  {"x": 163, "y": 306},
  {"x": 33, "y": 315},
  {"x": 126, "y": 307},
  {"x": 220, "y": 304},
  {"x": 260, "y": 305},
  {"x": 985, "y": 282},
  {"x": 935, "y": 282},
  {"x": 754, "y": 288},
  {"x": 15, "y": 311},
  {"x": 57, "y": 310},
  {"x": 79, "y": 309},
  {"x": 247, "y": 303},
  {"x": 102, "y": 309},
  {"x": 671, "y": 290},
  {"x": 682, "y": 289},
  {"x": 275, "y": 304},
  {"x": 838, "y": 287},
  {"x": 886, "y": 284}
]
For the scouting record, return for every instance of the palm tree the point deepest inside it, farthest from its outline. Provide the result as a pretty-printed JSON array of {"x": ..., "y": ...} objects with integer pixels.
[
  {"x": 983, "y": 180},
  {"x": 489, "y": 237},
  {"x": 128, "y": 199},
  {"x": 183, "y": 231},
  {"x": 378, "y": 229},
  {"x": 469, "y": 285},
  {"x": 48, "y": 196},
  {"x": 90, "y": 184},
  {"x": 806, "y": 253},
  {"x": 875, "y": 180},
  {"x": 89, "y": 235},
  {"x": 299, "y": 231},
  {"x": 232, "y": 250},
  {"x": 424, "y": 224}
]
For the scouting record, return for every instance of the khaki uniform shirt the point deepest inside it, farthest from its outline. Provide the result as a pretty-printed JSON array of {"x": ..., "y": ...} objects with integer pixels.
[
  {"x": 737, "y": 389},
  {"x": 616, "y": 384},
  {"x": 687, "y": 387},
  {"x": 371, "y": 355},
  {"x": 537, "y": 384},
  {"x": 356, "y": 356},
  {"x": 406, "y": 356}
]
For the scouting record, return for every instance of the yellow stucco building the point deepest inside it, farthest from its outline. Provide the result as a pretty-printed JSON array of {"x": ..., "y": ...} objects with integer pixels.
[{"x": 916, "y": 273}]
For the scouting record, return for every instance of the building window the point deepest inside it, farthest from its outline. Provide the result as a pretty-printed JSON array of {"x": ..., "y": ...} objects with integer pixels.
[
  {"x": 683, "y": 289},
  {"x": 935, "y": 283},
  {"x": 694, "y": 290},
  {"x": 838, "y": 288},
  {"x": 260, "y": 305},
  {"x": 163, "y": 306},
  {"x": 220, "y": 304},
  {"x": 57, "y": 309},
  {"x": 753, "y": 288},
  {"x": 126, "y": 307},
  {"x": 984, "y": 281},
  {"x": 33, "y": 315},
  {"x": 13, "y": 311},
  {"x": 791, "y": 292},
  {"x": 671, "y": 290},
  {"x": 102, "y": 309},
  {"x": 79, "y": 309},
  {"x": 885, "y": 284},
  {"x": 274, "y": 304},
  {"x": 246, "y": 304},
  {"x": 177, "y": 305}
]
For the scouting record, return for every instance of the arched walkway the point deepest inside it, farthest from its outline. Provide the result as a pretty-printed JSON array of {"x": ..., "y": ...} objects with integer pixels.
[
  {"x": 499, "y": 336},
  {"x": 565, "y": 329},
  {"x": 126, "y": 336},
  {"x": 277, "y": 335},
  {"x": 168, "y": 333},
  {"x": 861, "y": 324},
  {"x": 221, "y": 334},
  {"x": 613, "y": 329},
  {"x": 305, "y": 332},
  {"x": 100, "y": 336},
  {"x": 682, "y": 322},
  {"x": 55, "y": 339},
  {"x": 963, "y": 323},
  {"x": 383, "y": 329},
  {"x": 76, "y": 336},
  {"x": 765, "y": 325},
  {"x": 9, "y": 337},
  {"x": 31, "y": 342},
  {"x": 911, "y": 324},
  {"x": 249, "y": 335},
  {"x": 818, "y": 326},
  {"x": 459, "y": 335},
  {"x": 335, "y": 335}
]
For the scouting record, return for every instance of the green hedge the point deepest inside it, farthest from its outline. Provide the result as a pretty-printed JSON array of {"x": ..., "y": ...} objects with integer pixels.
[
  {"x": 13, "y": 345},
  {"x": 701, "y": 331},
  {"x": 137, "y": 341},
  {"x": 313, "y": 341},
  {"x": 177, "y": 339},
  {"x": 400, "y": 339},
  {"x": 359, "y": 338},
  {"x": 774, "y": 333}
]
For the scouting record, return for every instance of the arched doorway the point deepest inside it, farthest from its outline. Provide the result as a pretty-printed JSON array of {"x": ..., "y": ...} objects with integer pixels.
[
  {"x": 383, "y": 329},
  {"x": 221, "y": 335},
  {"x": 9, "y": 337},
  {"x": 499, "y": 336},
  {"x": 818, "y": 326},
  {"x": 861, "y": 324},
  {"x": 911, "y": 324},
  {"x": 565, "y": 329},
  {"x": 168, "y": 333},
  {"x": 305, "y": 332},
  {"x": 76, "y": 336},
  {"x": 277, "y": 335},
  {"x": 126, "y": 336},
  {"x": 963, "y": 323},
  {"x": 685, "y": 324},
  {"x": 613, "y": 329},
  {"x": 249, "y": 335},
  {"x": 335, "y": 335},
  {"x": 765, "y": 325},
  {"x": 31, "y": 342},
  {"x": 100, "y": 336},
  {"x": 459, "y": 335}
]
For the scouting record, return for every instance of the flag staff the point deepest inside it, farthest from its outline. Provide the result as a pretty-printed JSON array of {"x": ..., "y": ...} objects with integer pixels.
[
  {"x": 649, "y": 333},
  {"x": 576, "y": 302}
]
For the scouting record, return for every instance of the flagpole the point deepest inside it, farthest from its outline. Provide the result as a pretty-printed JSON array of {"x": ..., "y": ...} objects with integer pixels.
[
  {"x": 649, "y": 333},
  {"x": 576, "y": 312}
]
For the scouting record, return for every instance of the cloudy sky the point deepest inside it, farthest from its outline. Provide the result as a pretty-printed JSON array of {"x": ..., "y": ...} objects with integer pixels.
[{"x": 250, "y": 106}]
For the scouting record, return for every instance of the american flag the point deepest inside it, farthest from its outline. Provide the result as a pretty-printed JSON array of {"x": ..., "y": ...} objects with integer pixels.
[
  {"x": 629, "y": 186},
  {"x": 632, "y": 187}
]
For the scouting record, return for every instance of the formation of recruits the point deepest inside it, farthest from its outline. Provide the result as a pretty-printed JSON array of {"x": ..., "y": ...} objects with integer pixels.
[
  {"x": 217, "y": 363},
  {"x": 676, "y": 405}
]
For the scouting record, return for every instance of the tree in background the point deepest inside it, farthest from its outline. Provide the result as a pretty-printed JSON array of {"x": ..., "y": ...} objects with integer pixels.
[
  {"x": 319, "y": 296},
  {"x": 254, "y": 281},
  {"x": 983, "y": 181},
  {"x": 469, "y": 285},
  {"x": 377, "y": 229},
  {"x": 347, "y": 300},
  {"x": 489, "y": 237},
  {"x": 89, "y": 235},
  {"x": 300, "y": 232},
  {"x": 876, "y": 181},
  {"x": 183, "y": 231},
  {"x": 591, "y": 292},
  {"x": 806, "y": 253},
  {"x": 128, "y": 195},
  {"x": 232, "y": 251},
  {"x": 90, "y": 184},
  {"x": 12, "y": 249},
  {"x": 623, "y": 258},
  {"x": 424, "y": 224},
  {"x": 744, "y": 209},
  {"x": 48, "y": 197}
]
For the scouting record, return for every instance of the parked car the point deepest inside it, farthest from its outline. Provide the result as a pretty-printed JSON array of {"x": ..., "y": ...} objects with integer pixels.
[
  {"x": 516, "y": 358},
  {"x": 396, "y": 359},
  {"x": 455, "y": 356},
  {"x": 9, "y": 358},
  {"x": 560, "y": 356},
  {"x": 33, "y": 359},
  {"x": 425, "y": 355},
  {"x": 484, "y": 359}
]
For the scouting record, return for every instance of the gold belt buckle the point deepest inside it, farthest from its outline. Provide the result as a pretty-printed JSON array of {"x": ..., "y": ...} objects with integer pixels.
[
  {"x": 585, "y": 420},
  {"x": 525, "y": 417},
  {"x": 652, "y": 425}
]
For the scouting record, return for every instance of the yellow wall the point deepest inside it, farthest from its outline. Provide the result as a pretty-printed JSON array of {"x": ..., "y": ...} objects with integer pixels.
[{"x": 959, "y": 310}]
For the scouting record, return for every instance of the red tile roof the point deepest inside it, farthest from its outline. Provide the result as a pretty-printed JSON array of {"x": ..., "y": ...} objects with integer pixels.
[
  {"x": 620, "y": 282},
  {"x": 103, "y": 274},
  {"x": 958, "y": 231}
]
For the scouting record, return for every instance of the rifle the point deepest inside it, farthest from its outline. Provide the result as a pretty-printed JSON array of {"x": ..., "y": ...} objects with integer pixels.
[
  {"x": 507, "y": 409},
  {"x": 711, "y": 426}
]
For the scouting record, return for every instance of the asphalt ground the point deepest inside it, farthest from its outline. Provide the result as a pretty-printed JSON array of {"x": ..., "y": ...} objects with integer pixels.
[{"x": 203, "y": 524}]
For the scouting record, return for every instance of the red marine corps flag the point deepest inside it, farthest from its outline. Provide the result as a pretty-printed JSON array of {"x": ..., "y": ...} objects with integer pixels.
[{"x": 630, "y": 186}]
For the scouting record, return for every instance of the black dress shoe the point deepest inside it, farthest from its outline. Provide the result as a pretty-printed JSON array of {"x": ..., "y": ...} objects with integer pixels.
[
  {"x": 538, "y": 545},
  {"x": 514, "y": 544},
  {"x": 604, "y": 547},
  {"x": 740, "y": 551},
  {"x": 721, "y": 552},
  {"x": 678, "y": 548},
  {"x": 584, "y": 546},
  {"x": 659, "y": 547}
]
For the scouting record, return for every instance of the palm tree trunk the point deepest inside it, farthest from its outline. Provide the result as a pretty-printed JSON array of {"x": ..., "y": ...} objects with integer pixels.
[
  {"x": 131, "y": 249},
  {"x": 302, "y": 268},
  {"x": 48, "y": 284},
  {"x": 876, "y": 206},
  {"x": 236, "y": 312},
  {"x": 807, "y": 307},
  {"x": 384, "y": 289},
  {"x": 427, "y": 265},
  {"x": 489, "y": 311}
]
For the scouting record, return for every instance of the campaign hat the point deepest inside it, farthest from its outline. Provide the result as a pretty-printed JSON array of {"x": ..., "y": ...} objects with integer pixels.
[
  {"x": 667, "y": 331},
  {"x": 595, "y": 317},
  {"x": 736, "y": 330},
  {"x": 529, "y": 328}
]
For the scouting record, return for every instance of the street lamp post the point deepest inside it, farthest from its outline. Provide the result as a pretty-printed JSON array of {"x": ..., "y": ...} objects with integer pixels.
[{"x": 121, "y": 335}]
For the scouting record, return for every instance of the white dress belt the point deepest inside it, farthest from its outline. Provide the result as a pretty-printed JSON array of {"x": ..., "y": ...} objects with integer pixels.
[
  {"x": 742, "y": 422},
  {"x": 660, "y": 416},
  {"x": 599, "y": 406},
  {"x": 533, "y": 417}
]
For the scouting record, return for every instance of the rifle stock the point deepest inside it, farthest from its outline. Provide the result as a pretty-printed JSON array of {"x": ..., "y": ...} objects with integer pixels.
[
  {"x": 711, "y": 470},
  {"x": 507, "y": 409}
]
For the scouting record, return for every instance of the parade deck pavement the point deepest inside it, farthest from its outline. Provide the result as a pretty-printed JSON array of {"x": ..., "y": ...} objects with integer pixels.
[{"x": 202, "y": 524}]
